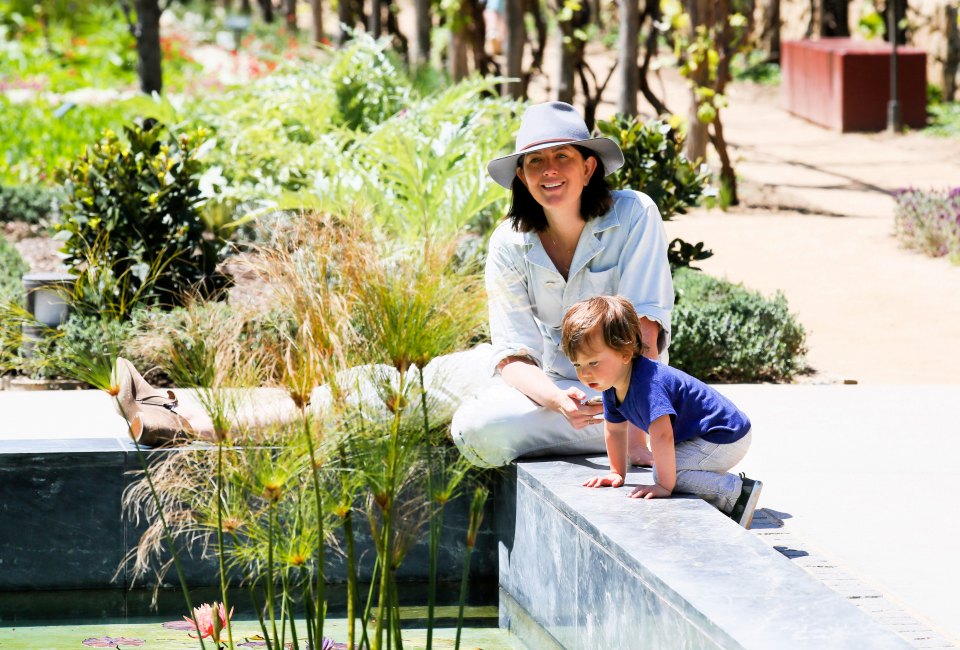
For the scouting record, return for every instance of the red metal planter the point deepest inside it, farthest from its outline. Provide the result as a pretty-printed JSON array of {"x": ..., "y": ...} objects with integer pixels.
[{"x": 844, "y": 84}]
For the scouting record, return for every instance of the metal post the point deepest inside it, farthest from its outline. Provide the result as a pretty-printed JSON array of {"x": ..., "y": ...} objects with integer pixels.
[{"x": 893, "y": 106}]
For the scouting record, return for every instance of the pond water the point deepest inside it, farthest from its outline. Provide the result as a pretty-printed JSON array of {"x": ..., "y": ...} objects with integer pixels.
[
  {"x": 174, "y": 635},
  {"x": 117, "y": 618}
]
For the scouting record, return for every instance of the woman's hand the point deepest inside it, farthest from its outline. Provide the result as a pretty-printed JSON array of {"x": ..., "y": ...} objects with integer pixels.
[
  {"x": 610, "y": 480},
  {"x": 568, "y": 403},
  {"x": 650, "y": 492}
]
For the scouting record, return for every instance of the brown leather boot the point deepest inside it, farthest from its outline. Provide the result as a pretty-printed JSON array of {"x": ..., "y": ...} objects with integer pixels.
[
  {"x": 156, "y": 426},
  {"x": 133, "y": 390}
]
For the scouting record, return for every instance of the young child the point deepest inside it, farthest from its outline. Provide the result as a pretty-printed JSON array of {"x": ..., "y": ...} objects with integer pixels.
[{"x": 696, "y": 434}]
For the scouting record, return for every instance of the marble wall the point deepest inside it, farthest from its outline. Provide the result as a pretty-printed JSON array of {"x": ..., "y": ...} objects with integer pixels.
[
  {"x": 62, "y": 525},
  {"x": 595, "y": 569}
]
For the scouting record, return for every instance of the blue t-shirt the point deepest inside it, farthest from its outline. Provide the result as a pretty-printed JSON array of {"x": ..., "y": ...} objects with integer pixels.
[{"x": 695, "y": 409}]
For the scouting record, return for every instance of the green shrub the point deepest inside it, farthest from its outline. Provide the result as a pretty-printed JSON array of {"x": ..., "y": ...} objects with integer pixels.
[
  {"x": 654, "y": 163},
  {"x": 84, "y": 348},
  {"x": 725, "y": 333},
  {"x": 12, "y": 268},
  {"x": 31, "y": 203},
  {"x": 944, "y": 120},
  {"x": 131, "y": 225},
  {"x": 368, "y": 84}
]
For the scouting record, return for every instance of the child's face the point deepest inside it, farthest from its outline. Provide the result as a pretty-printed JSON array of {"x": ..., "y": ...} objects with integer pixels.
[{"x": 601, "y": 367}]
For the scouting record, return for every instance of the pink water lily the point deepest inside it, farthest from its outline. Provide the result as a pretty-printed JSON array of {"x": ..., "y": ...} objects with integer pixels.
[{"x": 211, "y": 620}]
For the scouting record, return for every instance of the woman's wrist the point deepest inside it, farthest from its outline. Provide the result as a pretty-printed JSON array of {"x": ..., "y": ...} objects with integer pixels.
[{"x": 555, "y": 400}]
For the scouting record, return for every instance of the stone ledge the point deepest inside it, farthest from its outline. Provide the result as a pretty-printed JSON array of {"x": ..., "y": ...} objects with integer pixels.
[{"x": 596, "y": 569}]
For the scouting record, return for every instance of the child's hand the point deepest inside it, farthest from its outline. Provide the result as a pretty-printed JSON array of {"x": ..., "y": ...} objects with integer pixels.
[
  {"x": 610, "y": 480},
  {"x": 649, "y": 492}
]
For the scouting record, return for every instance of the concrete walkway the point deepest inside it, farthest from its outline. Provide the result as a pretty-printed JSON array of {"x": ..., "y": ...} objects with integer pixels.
[{"x": 865, "y": 476}]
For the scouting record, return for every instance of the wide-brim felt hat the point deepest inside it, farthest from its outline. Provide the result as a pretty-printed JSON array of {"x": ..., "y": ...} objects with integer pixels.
[{"x": 553, "y": 124}]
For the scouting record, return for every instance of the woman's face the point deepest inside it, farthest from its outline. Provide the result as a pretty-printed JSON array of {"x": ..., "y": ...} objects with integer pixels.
[{"x": 555, "y": 177}]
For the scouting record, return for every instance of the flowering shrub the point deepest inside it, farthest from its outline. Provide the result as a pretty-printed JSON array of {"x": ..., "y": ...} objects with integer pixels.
[{"x": 929, "y": 221}]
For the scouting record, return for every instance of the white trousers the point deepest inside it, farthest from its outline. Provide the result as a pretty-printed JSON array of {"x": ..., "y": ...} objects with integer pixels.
[
  {"x": 447, "y": 380},
  {"x": 501, "y": 424}
]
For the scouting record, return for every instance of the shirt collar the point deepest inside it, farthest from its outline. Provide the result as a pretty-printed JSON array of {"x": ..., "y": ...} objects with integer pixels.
[
  {"x": 605, "y": 222},
  {"x": 536, "y": 254}
]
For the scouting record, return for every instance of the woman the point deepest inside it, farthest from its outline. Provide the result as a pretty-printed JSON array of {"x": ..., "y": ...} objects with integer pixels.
[{"x": 568, "y": 237}]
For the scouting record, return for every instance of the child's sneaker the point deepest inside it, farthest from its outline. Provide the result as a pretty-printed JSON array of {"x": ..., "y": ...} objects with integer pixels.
[{"x": 746, "y": 504}]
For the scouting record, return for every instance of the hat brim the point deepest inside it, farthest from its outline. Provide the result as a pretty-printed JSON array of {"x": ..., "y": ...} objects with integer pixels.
[{"x": 503, "y": 170}]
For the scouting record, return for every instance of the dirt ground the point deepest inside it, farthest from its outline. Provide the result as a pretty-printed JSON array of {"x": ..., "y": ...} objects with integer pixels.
[{"x": 817, "y": 224}]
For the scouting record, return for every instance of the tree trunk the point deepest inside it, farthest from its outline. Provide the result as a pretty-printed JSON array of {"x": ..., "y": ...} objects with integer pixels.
[
  {"x": 266, "y": 6},
  {"x": 245, "y": 7},
  {"x": 629, "y": 72},
  {"x": 477, "y": 34},
  {"x": 728, "y": 177},
  {"x": 291, "y": 16},
  {"x": 316, "y": 9},
  {"x": 375, "y": 25},
  {"x": 513, "y": 48},
  {"x": 952, "y": 62},
  {"x": 697, "y": 130},
  {"x": 149, "y": 56},
  {"x": 770, "y": 35},
  {"x": 538, "y": 49},
  {"x": 421, "y": 42},
  {"x": 727, "y": 49},
  {"x": 457, "y": 49},
  {"x": 565, "y": 62},
  {"x": 834, "y": 18},
  {"x": 345, "y": 20},
  {"x": 400, "y": 44}
]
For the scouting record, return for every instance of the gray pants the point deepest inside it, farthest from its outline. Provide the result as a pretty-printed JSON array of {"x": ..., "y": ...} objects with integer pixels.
[{"x": 702, "y": 469}]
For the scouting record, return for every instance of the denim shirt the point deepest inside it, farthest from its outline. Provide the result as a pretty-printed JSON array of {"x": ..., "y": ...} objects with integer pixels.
[{"x": 623, "y": 252}]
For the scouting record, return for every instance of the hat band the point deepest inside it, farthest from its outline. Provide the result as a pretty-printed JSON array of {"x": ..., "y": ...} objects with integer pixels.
[{"x": 539, "y": 142}]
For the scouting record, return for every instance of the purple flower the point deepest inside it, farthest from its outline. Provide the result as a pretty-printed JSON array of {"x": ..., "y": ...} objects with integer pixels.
[{"x": 111, "y": 641}]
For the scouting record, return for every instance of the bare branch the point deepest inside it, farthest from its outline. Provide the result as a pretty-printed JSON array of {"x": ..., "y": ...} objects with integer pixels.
[{"x": 651, "y": 10}]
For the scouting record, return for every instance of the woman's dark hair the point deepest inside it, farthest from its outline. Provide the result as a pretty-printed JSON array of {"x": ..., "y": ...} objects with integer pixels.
[{"x": 527, "y": 215}]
